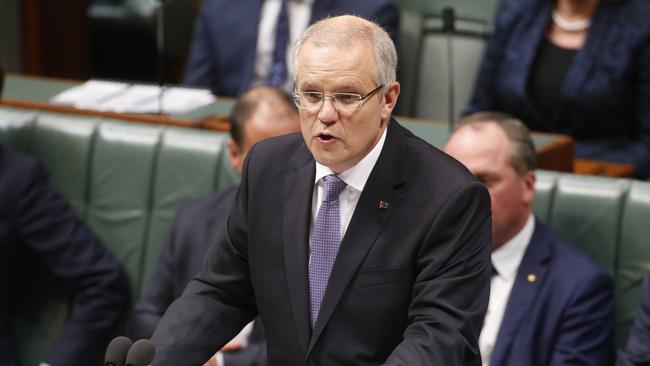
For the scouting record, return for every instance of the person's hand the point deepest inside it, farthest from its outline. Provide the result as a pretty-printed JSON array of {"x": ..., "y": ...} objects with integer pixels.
[
  {"x": 212, "y": 361},
  {"x": 232, "y": 346}
]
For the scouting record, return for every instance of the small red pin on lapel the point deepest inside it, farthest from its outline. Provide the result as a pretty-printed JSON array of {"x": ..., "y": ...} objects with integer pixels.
[{"x": 383, "y": 205}]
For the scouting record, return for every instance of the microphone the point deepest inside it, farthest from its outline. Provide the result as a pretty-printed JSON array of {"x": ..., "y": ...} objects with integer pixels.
[
  {"x": 141, "y": 353},
  {"x": 449, "y": 27},
  {"x": 116, "y": 351}
]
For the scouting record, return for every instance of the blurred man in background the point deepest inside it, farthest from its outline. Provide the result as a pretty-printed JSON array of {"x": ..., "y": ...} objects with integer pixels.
[
  {"x": 549, "y": 303},
  {"x": 244, "y": 43}
]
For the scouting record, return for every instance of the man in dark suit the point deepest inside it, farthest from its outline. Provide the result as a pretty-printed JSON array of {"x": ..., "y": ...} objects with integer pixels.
[
  {"x": 357, "y": 242},
  {"x": 37, "y": 224},
  {"x": 259, "y": 113},
  {"x": 549, "y": 303},
  {"x": 234, "y": 41},
  {"x": 637, "y": 348}
]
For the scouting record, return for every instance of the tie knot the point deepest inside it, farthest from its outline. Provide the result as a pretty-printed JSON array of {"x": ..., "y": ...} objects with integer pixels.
[{"x": 332, "y": 187}]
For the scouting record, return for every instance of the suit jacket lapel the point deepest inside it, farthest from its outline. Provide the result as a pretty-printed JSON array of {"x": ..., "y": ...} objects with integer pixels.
[
  {"x": 524, "y": 291},
  {"x": 366, "y": 223},
  {"x": 298, "y": 188}
]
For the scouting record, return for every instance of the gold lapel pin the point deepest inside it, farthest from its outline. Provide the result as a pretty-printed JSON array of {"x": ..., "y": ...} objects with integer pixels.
[{"x": 531, "y": 278}]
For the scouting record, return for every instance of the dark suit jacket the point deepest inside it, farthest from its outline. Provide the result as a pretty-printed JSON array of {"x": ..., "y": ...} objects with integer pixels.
[
  {"x": 196, "y": 226},
  {"x": 37, "y": 224},
  {"x": 410, "y": 284},
  {"x": 637, "y": 349},
  {"x": 604, "y": 98},
  {"x": 224, "y": 43},
  {"x": 565, "y": 316}
]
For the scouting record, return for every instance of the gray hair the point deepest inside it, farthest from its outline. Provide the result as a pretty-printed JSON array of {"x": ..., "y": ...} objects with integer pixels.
[
  {"x": 346, "y": 31},
  {"x": 522, "y": 156}
]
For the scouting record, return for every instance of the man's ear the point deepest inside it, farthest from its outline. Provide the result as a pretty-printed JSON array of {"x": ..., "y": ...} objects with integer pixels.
[
  {"x": 390, "y": 99},
  {"x": 529, "y": 186},
  {"x": 235, "y": 155}
]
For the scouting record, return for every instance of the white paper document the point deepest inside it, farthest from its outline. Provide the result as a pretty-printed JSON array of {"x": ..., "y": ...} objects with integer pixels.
[{"x": 108, "y": 96}]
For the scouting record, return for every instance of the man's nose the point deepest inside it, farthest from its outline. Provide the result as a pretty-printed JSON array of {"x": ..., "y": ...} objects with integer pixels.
[{"x": 328, "y": 112}]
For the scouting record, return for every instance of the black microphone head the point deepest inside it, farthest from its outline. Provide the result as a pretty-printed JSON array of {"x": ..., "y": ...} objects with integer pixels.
[
  {"x": 116, "y": 351},
  {"x": 448, "y": 19},
  {"x": 141, "y": 353}
]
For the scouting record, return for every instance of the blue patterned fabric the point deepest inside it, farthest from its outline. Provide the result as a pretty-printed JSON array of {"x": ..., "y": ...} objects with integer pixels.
[
  {"x": 278, "y": 71},
  {"x": 326, "y": 239},
  {"x": 605, "y": 98}
]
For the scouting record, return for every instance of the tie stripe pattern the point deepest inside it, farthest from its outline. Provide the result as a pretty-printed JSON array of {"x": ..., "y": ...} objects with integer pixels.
[
  {"x": 278, "y": 72},
  {"x": 326, "y": 239}
]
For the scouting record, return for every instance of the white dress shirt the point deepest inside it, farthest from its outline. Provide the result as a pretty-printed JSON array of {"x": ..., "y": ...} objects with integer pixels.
[
  {"x": 299, "y": 16},
  {"x": 355, "y": 178},
  {"x": 506, "y": 260}
]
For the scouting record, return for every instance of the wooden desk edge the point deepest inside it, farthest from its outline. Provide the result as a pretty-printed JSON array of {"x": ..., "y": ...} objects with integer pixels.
[{"x": 215, "y": 122}]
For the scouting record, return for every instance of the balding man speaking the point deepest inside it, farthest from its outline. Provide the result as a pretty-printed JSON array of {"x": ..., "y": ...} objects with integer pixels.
[{"x": 357, "y": 242}]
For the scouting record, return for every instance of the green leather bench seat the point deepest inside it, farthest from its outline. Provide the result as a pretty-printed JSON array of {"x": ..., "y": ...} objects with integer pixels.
[
  {"x": 125, "y": 180},
  {"x": 609, "y": 220}
]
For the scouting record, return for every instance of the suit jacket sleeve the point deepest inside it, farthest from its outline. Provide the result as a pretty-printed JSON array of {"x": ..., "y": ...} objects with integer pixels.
[
  {"x": 637, "y": 349},
  {"x": 451, "y": 291},
  {"x": 159, "y": 293},
  {"x": 51, "y": 230},
  {"x": 581, "y": 337},
  {"x": 200, "y": 69}
]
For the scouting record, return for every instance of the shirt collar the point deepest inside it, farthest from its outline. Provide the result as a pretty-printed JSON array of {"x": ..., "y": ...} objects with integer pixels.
[
  {"x": 507, "y": 258},
  {"x": 357, "y": 176}
]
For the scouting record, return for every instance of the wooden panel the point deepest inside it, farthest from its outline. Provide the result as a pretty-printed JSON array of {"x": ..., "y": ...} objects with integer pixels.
[{"x": 55, "y": 38}]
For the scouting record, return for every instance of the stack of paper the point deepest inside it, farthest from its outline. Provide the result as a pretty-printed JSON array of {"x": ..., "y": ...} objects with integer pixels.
[{"x": 108, "y": 96}]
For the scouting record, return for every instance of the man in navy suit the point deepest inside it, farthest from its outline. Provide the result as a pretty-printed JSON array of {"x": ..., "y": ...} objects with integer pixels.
[
  {"x": 233, "y": 41},
  {"x": 36, "y": 224},
  {"x": 259, "y": 113},
  {"x": 356, "y": 242},
  {"x": 549, "y": 303},
  {"x": 637, "y": 349}
]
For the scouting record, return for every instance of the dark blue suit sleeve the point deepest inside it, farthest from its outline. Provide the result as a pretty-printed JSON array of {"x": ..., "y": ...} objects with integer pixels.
[
  {"x": 637, "y": 349},
  {"x": 53, "y": 233},
  {"x": 200, "y": 70},
  {"x": 586, "y": 336}
]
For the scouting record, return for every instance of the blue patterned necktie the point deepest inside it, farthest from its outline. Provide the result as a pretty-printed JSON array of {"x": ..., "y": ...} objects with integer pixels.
[
  {"x": 326, "y": 238},
  {"x": 278, "y": 72}
]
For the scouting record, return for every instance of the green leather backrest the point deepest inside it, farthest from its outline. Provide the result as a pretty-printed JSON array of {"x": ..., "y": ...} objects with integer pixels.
[
  {"x": 586, "y": 211},
  {"x": 125, "y": 180},
  {"x": 120, "y": 190},
  {"x": 633, "y": 253},
  {"x": 64, "y": 145},
  {"x": 608, "y": 219},
  {"x": 188, "y": 165}
]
